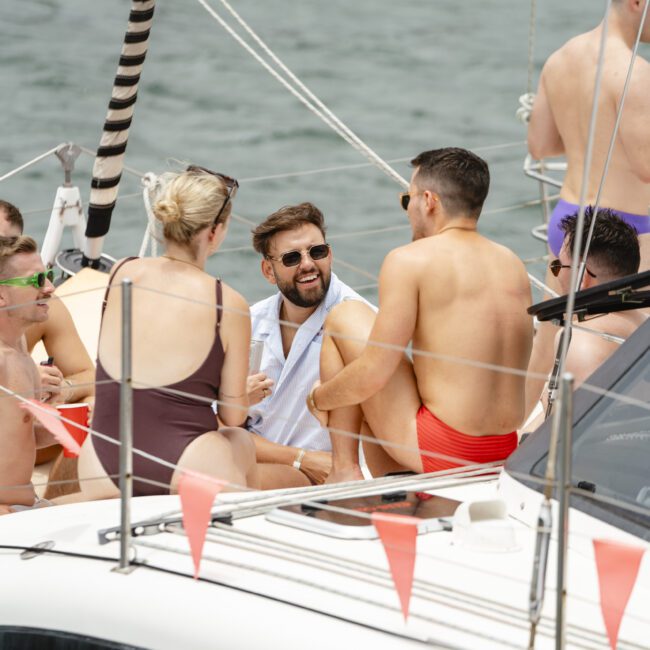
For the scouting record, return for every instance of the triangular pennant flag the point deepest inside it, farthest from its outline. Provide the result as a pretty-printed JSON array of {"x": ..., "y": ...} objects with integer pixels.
[
  {"x": 398, "y": 534},
  {"x": 617, "y": 565},
  {"x": 50, "y": 418},
  {"x": 197, "y": 492}
]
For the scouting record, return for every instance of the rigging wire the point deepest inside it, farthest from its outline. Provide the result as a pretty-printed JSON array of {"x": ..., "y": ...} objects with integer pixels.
[{"x": 301, "y": 92}]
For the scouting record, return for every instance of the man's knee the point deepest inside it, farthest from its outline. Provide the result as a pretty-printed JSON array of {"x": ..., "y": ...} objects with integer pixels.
[{"x": 350, "y": 317}]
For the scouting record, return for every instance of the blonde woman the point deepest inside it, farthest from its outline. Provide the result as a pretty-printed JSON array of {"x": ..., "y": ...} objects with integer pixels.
[{"x": 191, "y": 337}]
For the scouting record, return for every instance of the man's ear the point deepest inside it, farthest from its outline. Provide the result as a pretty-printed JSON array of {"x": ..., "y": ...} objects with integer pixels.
[
  {"x": 267, "y": 271},
  {"x": 431, "y": 200}
]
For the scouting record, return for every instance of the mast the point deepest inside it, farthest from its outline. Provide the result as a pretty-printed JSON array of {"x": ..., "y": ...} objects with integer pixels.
[{"x": 109, "y": 161}]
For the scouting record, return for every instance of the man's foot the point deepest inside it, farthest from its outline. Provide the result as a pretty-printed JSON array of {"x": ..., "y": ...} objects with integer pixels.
[{"x": 352, "y": 473}]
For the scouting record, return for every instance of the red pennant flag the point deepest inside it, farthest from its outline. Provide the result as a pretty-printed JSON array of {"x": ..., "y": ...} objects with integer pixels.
[
  {"x": 50, "y": 418},
  {"x": 197, "y": 492},
  {"x": 617, "y": 565},
  {"x": 398, "y": 535}
]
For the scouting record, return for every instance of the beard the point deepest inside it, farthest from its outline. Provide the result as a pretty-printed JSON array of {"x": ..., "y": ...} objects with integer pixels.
[{"x": 292, "y": 291}]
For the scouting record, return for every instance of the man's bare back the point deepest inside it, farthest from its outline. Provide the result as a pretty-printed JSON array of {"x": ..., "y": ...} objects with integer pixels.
[
  {"x": 560, "y": 122},
  {"x": 472, "y": 296}
]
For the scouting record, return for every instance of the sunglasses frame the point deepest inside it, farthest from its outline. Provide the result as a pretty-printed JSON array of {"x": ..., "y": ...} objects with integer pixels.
[
  {"x": 281, "y": 258},
  {"x": 555, "y": 266},
  {"x": 230, "y": 182},
  {"x": 31, "y": 280}
]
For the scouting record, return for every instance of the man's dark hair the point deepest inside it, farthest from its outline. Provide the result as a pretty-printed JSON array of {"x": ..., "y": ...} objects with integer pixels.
[
  {"x": 13, "y": 214},
  {"x": 614, "y": 245},
  {"x": 458, "y": 176},
  {"x": 289, "y": 217}
]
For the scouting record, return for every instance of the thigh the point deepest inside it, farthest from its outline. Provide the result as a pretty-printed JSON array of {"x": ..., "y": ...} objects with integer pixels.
[
  {"x": 274, "y": 476},
  {"x": 211, "y": 454},
  {"x": 391, "y": 412},
  {"x": 391, "y": 415},
  {"x": 89, "y": 467}
]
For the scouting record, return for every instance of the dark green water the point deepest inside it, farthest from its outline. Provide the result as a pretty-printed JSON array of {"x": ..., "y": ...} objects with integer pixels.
[{"x": 404, "y": 76}]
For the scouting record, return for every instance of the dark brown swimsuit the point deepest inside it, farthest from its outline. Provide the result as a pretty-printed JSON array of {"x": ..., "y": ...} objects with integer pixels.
[{"x": 164, "y": 422}]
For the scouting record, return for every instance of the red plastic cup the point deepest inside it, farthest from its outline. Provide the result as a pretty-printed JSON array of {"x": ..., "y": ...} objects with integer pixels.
[{"x": 77, "y": 413}]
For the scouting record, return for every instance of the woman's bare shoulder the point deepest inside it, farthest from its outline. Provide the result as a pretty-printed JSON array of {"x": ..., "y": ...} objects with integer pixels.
[{"x": 234, "y": 299}]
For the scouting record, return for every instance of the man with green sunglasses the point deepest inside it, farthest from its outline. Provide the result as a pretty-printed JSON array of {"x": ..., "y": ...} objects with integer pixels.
[
  {"x": 70, "y": 374},
  {"x": 25, "y": 292}
]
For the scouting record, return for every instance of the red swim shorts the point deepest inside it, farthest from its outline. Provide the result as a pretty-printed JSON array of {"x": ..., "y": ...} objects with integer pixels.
[{"x": 435, "y": 436}]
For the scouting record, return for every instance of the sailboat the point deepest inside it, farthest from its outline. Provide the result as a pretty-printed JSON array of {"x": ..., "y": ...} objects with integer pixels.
[{"x": 491, "y": 568}]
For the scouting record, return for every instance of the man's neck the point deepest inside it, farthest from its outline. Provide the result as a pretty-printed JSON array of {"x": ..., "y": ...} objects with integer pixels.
[
  {"x": 295, "y": 314},
  {"x": 620, "y": 26},
  {"x": 12, "y": 334},
  {"x": 457, "y": 223}
]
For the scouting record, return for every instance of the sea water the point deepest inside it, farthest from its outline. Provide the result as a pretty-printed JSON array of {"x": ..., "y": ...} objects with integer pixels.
[{"x": 405, "y": 76}]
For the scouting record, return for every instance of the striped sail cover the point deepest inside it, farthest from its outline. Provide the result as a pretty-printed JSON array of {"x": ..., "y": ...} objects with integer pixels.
[{"x": 109, "y": 161}]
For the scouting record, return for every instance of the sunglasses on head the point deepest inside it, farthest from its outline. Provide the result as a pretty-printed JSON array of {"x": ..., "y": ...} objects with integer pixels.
[
  {"x": 37, "y": 280},
  {"x": 556, "y": 266},
  {"x": 230, "y": 182},
  {"x": 293, "y": 258}
]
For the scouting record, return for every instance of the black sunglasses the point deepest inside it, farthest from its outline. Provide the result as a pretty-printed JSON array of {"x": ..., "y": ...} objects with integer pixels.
[
  {"x": 404, "y": 200},
  {"x": 293, "y": 258},
  {"x": 230, "y": 182},
  {"x": 556, "y": 266}
]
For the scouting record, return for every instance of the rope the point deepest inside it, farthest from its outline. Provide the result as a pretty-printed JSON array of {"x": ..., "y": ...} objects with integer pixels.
[
  {"x": 315, "y": 105},
  {"x": 31, "y": 162},
  {"x": 149, "y": 182}
]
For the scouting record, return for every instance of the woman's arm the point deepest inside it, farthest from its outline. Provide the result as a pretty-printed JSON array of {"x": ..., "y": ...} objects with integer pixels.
[{"x": 236, "y": 338}]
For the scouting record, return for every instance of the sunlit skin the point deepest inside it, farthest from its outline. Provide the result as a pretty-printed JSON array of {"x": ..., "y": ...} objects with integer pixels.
[
  {"x": 450, "y": 292},
  {"x": 20, "y": 307},
  {"x": 306, "y": 284}
]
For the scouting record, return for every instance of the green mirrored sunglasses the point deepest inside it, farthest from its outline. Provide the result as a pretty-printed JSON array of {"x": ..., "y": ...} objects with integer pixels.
[{"x": 37, "y": 280}]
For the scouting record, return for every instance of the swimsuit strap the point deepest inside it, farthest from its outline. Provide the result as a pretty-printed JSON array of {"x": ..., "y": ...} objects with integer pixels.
[
  {"x": 219, "y": 303},
  {"x": 110, "y": 279}
]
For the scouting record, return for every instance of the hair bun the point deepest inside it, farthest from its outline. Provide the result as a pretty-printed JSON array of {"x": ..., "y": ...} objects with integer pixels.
[{"x": 168, "y": 211}]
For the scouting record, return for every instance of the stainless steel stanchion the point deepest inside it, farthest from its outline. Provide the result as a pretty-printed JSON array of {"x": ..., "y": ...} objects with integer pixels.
[
  {"x": 126, "y": 429},
  {"x": 564, "y": 498}
]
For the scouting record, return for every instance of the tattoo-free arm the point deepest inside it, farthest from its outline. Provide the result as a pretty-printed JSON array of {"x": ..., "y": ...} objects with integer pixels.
[
  {"x": 62, "y": 342},
  {"x": 544, "y": 140},
  {"x": 393, "y": 329}
]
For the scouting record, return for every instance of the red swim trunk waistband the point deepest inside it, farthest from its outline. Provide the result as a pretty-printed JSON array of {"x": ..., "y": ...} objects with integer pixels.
[{"x": 435, "y": 436}]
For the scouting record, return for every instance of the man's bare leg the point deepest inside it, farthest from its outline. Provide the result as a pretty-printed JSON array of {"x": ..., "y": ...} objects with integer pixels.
[
  {"x": 63, "y": 469},
  {"x": 343, "y": 422},
  {"x": 391, "y": 412},
  {"x": 378, "y": 461},
  {"x": 275, "y": 475}
]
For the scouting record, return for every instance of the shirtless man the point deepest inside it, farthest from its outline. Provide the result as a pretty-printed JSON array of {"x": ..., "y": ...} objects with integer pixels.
[
  {"x": 22, "y": 303},
  {"x": 613, "y": 254},
  {"x": 461, "y": 299},
  {"x": 71, "y": 377},
  {"x": 559, "y": 125}
]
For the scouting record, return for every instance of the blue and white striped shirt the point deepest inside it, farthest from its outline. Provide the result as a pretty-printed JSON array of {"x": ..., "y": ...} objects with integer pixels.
[{"x": 283, "y": 416}]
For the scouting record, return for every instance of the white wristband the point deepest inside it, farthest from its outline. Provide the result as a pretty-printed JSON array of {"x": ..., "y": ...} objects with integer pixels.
[{"x": 299, "y": 457}]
